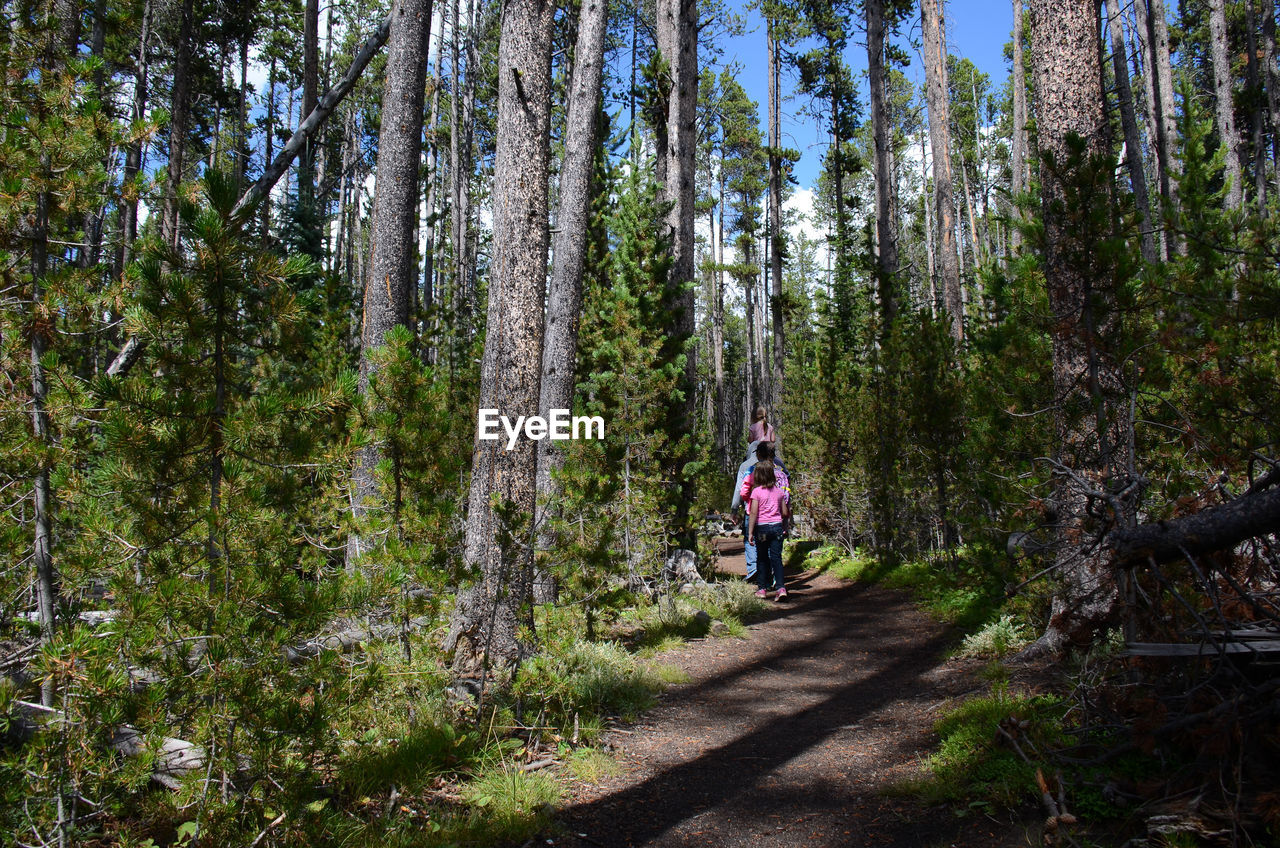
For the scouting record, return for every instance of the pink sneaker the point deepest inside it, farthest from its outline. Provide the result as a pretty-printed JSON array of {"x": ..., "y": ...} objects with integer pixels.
[
  {"x": 761, "y": 593},
  {"x": 782, "y": 593}
]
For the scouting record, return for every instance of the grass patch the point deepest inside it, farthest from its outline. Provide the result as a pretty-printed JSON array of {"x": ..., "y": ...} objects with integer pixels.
[
  {"x": 588, "y": 677},
  {"x": 966, "y": 589},
  {"x": 670, "y": 622},
  {"x": 972, "y": 763},
  {"x": 592, "y": 765}
]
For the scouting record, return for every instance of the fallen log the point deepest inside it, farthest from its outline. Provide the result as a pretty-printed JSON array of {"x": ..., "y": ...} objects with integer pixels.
[
  {"x": 175, "y": 758},
  {"x": 1217, "y": 528},
  {"x": 352, "y": 639}
]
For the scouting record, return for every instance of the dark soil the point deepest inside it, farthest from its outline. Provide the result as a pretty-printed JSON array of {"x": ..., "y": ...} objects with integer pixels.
[{"x": 793, "y": 736}]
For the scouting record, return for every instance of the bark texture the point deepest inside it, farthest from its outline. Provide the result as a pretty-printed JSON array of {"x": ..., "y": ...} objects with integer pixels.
[
  {"x": 1217, "y": 528},
  {"x": 179, "y": 122},
  {"x": 1019, "y": 152},
  {"x": 564, "y": 298},
  {"x": 677, "y": 41},
  {"x": 946, "y": 255},
  {"x": 486, "y": 623},
  {"x": 886, "y": 231},
  {"x": 1224, "y": 108},
  {"x": 1166, "y": 124},
  {"x": 1069, "y": 102},
  {"x": 778, "y": 239},
  {"x": 392, "y": 269}
]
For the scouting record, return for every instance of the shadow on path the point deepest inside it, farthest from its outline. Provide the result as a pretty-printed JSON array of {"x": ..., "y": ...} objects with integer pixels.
[{"x": 773, "y": 744}]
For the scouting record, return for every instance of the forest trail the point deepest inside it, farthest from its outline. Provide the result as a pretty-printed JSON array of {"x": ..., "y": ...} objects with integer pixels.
[{"x": 790, "y": 737}]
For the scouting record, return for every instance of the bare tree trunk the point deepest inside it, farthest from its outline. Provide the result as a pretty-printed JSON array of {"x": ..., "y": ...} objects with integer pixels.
[
  {"x": 1257, "y": 119},
  {"x": 564, "y": 299},
  {"x": 1086, "y": 382},
  {"x": 179, "y": 120},
  {"x": 1272, "y": 74},
  {"x": 345, "y": 195},
  {"x": 1162, "y": 73},
  {"x": 753, "y": 354},
  {"x": 1224, "y": 105},
  {"x": 460, "y": 119},
  {"x": 391, "y": 263},
  {"x": 778, "y": 239},
  {"x": 721, "y": 422},
  {"x": 946, "y": 258},
  {"x": 42, "y": 550},
  {"x": 936, "y": 305},
  {"x": 429, "y": 351},
  {"x": 1140, "y": 31},
  {"x": 677, "y": 42},
  {"x": 242, "y": 109},
  {"x": 974, "y": 244},
  {"x": 1020, "y": 153},
  {"x": 1129, "y": 121},
  {"x": 717, "y": 331},
  {"x": 763, "y": 374},
  {"x": 485, "y": 626},
  {"x": 886, "y": 229},
  {"x": 310, "y": 91}
]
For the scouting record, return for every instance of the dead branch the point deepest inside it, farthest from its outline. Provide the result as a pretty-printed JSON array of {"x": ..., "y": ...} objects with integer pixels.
[{"x": 1215, "y": 528}]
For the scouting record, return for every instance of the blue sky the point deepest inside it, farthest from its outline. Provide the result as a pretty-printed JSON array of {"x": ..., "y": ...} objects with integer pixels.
[{"x": 976, "y": 29}]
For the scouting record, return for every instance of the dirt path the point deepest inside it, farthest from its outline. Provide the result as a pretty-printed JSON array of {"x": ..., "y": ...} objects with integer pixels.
[{"x": 790, "y": 737}]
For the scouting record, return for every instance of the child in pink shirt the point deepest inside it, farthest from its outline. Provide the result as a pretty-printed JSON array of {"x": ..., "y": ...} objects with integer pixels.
[{"x": 770, "y": 508}]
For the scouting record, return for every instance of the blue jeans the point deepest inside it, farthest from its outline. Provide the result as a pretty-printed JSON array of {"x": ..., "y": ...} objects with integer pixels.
[
  {"x": 769, "y": 573},
  {"x": 748, "y": 551}
]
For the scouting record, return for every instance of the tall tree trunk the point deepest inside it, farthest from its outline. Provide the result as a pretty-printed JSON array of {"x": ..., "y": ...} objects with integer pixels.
[
  {"x": 717, "y": 329},
  {"x": 310, "y": 91},
  {"x": 1257, "y": 120},
  {"x": 242, "y": 109},
  {"x": 460, "y": 117},
  {"x": 1085, "y": 381},
  {"x": 946, "y": 256},
  {"x": 42, "y": 489},
  {"x": 269, "y": 131},
  {"x": 749, "y": 328},
  {"x": 763, "y": 373},
  {"x": 886, "y": 231},
  {"x": 1140, "y": 32},
  {"x": 391, "y": 264},
  {"x": 179, "y": 122},
  {"x": 1272, "y": 74},
  {"x": 677, "y": 41},
  {"x": 936, "y": 305},
  {"x": 564, "y": 298},
  {"x": 778, "y": 239},
  {"x": 485, "y": 625},
  {"x": 1224, "y": 104},
  {"x": 1019, "y": 153},
  {"x": 1162, "y": 73},
  {"x": 1129, "y": 121},
  {"x": 429, "y": 344},
  {"x": 974, "y": 245}
]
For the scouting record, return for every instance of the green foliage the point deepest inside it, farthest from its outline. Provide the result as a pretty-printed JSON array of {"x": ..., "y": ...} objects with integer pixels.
[
  {"x": 593, "y": 677},
  {"x": 631, "y": 370},
  {"x": 997, "y": 639},
  {"x": 974, "y": 764}
]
